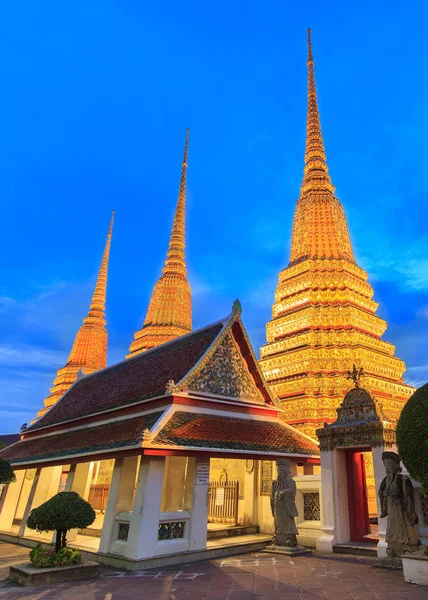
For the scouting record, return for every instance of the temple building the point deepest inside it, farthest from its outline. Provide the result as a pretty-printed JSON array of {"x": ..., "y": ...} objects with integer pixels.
[
  {"x": 89, "y": 351},
  {"x": 159, "y": 417},
  {"x": 324, "y": 316},
  {"x": 170, "y": 310}
]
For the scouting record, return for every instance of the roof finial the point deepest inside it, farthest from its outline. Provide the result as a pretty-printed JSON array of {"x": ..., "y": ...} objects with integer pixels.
[{"x": 236, "y": 307}]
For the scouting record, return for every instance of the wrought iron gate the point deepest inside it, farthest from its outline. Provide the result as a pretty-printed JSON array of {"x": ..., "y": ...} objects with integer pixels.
[
  {"x": 223, "y": 502},
  {"x": 98, "y": 494}
]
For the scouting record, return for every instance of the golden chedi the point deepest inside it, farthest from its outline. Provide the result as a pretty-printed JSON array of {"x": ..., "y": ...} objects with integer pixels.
[
  {"x": 89, "y": 351},
  {"x": 170, "y": 309},
  {"x": 323, "y": 318}
]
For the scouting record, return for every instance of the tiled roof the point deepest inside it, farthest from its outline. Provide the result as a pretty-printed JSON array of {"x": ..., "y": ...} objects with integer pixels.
[
  {"x": 195, "y": 430},
  {"x": 140, "y": 377},
  {"x": 119, "y": 434},
  {"x": 9, "y": 438}
]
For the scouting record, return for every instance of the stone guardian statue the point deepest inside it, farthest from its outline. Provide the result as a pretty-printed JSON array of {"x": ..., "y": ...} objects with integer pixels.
[
  {"x": 283, "y": 506},
  {"x": 397, "y": 503}
]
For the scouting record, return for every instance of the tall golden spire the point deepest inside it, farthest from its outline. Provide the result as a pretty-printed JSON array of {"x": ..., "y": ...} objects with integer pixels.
[
  {"x": 319, "y": 229},
  {"x": 89, "y": 351},
  {"x": 170, "y": 310},
  {"x": 324, "y": 317}
]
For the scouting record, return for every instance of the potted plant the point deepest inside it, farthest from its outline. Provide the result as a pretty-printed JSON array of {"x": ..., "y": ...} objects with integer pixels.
[{"x": 412, "y": 442}]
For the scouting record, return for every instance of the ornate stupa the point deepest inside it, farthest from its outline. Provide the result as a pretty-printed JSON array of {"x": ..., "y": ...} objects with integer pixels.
[
  {"x": 170, "y": 310},
  {"x": 89, "y": 351},
  {"x": 323, "y": 318}
]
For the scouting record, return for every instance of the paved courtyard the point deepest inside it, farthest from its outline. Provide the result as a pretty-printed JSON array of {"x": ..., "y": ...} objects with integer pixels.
[{"x": 246, "y": 577}]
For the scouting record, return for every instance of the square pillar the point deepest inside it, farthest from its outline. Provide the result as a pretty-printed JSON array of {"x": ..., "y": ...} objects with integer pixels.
[
  {"x": 250, "y": 496},
  {"x": 120, "y": 499},
  {"x": 45, "y": 485},
  {"x": 198, "y": 479},
  {"x": 9, "y": 501},
  {"x": 334, "y": 501},
  {"x": 79, "y": 481},
  {"x": 144, "y": 524}
]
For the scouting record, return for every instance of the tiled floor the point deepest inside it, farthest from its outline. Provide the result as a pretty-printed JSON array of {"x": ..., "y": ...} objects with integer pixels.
[{"x": 258, "y": 576}]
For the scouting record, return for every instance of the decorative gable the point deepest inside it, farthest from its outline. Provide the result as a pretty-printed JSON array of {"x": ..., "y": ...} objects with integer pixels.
[{"x": 225, "y": 373}]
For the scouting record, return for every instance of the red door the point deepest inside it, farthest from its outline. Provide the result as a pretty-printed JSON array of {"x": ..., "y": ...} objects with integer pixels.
[{"x": 359, "y": 523}]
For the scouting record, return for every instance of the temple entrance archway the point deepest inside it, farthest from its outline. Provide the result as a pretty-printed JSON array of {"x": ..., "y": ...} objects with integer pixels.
[{"x": 352, "y": 470}]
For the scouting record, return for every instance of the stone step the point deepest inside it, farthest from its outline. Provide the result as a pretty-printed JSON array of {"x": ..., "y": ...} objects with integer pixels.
[
  {"x": 359, "y": 548},
  {"x": 215, "y": 534}
]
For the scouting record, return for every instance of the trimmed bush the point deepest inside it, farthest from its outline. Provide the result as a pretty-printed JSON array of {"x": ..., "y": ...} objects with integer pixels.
[
  {"x": 43, "y": 559},
  {"x": 412, "y": 436},
  {"x": 66, "y": 510},
  {"x": 6, "y": 473}
]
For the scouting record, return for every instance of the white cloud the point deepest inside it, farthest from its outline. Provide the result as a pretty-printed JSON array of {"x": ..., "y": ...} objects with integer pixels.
[
  {"x": 396, "y": 260},
  {"x": 27, "y": 355}
]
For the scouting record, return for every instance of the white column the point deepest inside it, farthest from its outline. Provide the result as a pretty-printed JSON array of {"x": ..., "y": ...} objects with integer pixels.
[
  {"x": 379, "y": 474},
  {"x": 250, "y": 497},
  {"x": 10, "y": 499},
  {"x": 334, "y": 501},
  {"x": 119, "y": 499},
  {"x": 79, "y": 481},
  {"x": 328, "y": 525},
  {"x": 144, "y": 524},
  {"x": 70, "y": 478},
  {"x": 199, "y": 474},
  {"x": 45, "y": 485}
]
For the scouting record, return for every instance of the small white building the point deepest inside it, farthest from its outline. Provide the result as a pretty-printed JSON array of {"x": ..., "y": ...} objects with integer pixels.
[{"x": 136, "y": 440}]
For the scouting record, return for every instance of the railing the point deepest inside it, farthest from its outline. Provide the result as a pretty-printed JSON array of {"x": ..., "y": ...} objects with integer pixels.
[
  {"x": 223, "y": 502},
  {"x": 98, "y": 495}
]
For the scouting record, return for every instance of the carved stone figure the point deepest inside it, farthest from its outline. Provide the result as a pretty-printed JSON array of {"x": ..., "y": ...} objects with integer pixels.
[
  {"x": 283, "y": 505},
  {"x": 397, "y": 503}
]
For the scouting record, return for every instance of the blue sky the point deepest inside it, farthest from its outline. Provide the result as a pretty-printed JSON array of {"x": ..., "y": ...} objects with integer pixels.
[{"x": 96, "y": 97}]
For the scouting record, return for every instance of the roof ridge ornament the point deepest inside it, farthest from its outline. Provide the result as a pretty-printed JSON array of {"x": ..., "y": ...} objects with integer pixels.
[
  {"x": 237, "y": 308},
  {"x": 170, "y": 387},
  {"x": 146, "y": 436}
]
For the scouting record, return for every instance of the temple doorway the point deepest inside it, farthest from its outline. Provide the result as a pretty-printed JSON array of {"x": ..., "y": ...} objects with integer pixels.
[
  {"x": 231, "y": 498},
  {"x": 361, "y": 495}
]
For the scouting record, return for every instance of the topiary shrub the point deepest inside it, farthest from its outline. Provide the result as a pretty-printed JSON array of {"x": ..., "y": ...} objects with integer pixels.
[
  {"x": 6, "y": 473},
  {"x": 43, "y": 559},
  {"x": 66, "y": 510},
  {"x": 412, "y": 436}
]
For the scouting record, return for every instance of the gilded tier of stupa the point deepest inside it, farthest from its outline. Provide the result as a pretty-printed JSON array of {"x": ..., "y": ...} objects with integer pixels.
[
  {"x": 89, "y": 351},
  {"x": 323, "y": 318},
  {"x": 170, "y": 309}
]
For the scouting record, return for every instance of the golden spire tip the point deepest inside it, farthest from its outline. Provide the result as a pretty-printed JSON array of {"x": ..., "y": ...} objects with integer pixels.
[{"x": 309, "y": 46}]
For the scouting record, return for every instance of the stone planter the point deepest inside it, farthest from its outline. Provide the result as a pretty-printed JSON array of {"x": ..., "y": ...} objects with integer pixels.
[
  {"x": 26, "y": 575},
  {"x": 415, "y": 568}
]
